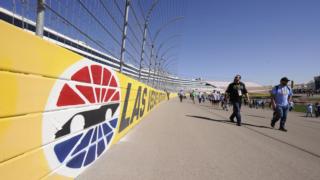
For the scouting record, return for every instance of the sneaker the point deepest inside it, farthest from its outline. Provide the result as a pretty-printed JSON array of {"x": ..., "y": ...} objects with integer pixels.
[
  {"x": 283, "y": 129},
  {"x": 238, "y": 124},
  {"x": 272, "y": 124},
  {"x": 231, "y": 120}
]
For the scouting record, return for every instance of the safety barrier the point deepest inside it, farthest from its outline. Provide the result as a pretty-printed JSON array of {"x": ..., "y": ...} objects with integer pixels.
[{"x": 59, "y": 112}]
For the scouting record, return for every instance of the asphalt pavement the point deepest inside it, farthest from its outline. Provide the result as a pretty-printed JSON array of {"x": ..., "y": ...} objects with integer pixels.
[{"x": 186, "y": 141}]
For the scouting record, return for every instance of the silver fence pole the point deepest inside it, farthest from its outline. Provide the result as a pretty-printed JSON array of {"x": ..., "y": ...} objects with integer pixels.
[
  {"x": 142, "y": 48},
  {"x": 154, "y": 72},
  {"x": 40, "y": 17},
  {"x": 150, "y": 63},
  {"x": 146, "y": 21},
  {"x": 124, "y": 34}
]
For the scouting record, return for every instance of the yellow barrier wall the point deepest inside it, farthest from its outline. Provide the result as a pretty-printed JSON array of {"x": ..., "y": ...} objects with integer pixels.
[{"x": 59, "y": 111}]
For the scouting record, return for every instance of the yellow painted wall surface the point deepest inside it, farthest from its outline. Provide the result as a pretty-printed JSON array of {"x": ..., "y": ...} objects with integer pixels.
[{"x": 59, "y": 112}]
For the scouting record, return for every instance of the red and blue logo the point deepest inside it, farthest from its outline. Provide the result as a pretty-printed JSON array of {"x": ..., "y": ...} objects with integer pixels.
[{"x": 84, "y": 108}]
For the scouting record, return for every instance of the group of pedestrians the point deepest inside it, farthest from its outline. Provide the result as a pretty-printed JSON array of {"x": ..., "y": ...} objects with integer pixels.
[
  {"x": 215, "y": 97},
  {"x": 281, "y": 96},
  {"x": 257, "y": 103},
  {"x": 197, "y": 95},
  {"x": 236, "y": 93},
  {"x": 313, "y": 108}
]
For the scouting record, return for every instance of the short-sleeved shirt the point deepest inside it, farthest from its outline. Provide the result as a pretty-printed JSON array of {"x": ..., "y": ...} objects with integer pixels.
[
  {"x": 236, "y": 91},
  {"x": 281, "y": 95}
]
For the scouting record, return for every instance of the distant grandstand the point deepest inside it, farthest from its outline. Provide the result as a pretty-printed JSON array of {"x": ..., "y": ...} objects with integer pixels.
[{"x": 251, "y": 86}]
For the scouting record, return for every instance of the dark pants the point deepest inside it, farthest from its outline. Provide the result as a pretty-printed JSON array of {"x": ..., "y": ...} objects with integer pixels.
[
  {"x": 236, "y": 112},
  {"x": 181, "y": 97},
  {"x": 281, "y": 113}
]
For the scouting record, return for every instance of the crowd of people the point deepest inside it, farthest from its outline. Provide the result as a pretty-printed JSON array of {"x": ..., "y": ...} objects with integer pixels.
[
  {"x": 281, "y": 101},
  {"x": 308, "y": 92},
  {"x": 313, "y": 108},
  {"x": 257, "y": 103}
]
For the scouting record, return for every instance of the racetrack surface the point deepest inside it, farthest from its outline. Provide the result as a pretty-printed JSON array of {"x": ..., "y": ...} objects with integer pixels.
[{"x": 191, "y": 141}]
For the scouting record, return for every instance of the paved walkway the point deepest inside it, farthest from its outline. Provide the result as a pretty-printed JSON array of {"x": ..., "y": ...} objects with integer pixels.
[{"x": 193, "y": 142}]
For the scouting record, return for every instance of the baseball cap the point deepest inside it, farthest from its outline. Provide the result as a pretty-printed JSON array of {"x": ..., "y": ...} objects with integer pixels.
[
  {"x": 237, "y": 76},
  {"x": 285, "y": 79}
]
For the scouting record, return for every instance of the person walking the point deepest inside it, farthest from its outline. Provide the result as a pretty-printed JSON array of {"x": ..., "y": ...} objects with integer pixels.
[
  {"x": 235, "y": 91},
  {"x": 203, "y": 98},
  {"x": 199, "y": 97},
  {"x": 263, "y": 103},
  {"x": 181, "y": 95},
  {"x": 281, "y": 95},
  {"x": 309, "y": 110},
  {"x": 318, "y": 109},
  {"x": 193, "y": 95}
]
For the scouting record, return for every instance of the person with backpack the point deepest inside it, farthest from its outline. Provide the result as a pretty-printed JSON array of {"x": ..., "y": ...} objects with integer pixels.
[
  {"x": 234, "y": 93},
  {"x": 281, "y": 96}
]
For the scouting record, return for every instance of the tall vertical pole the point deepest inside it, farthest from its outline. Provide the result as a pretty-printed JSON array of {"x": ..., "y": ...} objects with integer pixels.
[
  {"x": 124, "y": 34},
  {"x": 159, "y": 74},
  {"x": 40, "y": 17},
  {"x": 150, "y": 63},
  {"x": 154, "y": 71},
  {"x": 142, "y": 48}
]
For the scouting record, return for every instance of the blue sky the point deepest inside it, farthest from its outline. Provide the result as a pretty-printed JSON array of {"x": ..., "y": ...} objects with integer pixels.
[{"x": 262, "y": 40}]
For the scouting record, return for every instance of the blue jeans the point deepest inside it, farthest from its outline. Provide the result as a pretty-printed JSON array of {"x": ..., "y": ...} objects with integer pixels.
[
  {"x": 281, "y": 113},
  {"x": 236, "y": 112}
]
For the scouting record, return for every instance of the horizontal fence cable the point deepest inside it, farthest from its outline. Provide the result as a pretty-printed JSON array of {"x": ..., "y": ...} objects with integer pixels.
[
  {"x": 78, "y": 29},
  {"x": 99, "y": 22},
  {"x": 110, "y": 15}
]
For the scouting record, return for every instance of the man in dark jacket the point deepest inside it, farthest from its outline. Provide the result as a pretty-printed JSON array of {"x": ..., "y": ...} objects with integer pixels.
[{"x": 235, "y": 92}]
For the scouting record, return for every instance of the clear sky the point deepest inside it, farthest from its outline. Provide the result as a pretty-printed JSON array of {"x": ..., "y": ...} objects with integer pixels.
[{"x": 262, "y": 40}]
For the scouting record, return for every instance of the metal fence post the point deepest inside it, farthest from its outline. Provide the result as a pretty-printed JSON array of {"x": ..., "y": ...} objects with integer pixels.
[
  {"x": 124, "y": 34},
  {"x": 154, "y": 72},
  {"x": 40, "y": 17},
  {"x": 150, "y": 63},
  {"x": 142, "y": 48}
]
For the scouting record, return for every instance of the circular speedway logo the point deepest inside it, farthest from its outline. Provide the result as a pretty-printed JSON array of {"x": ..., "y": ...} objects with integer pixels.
[{"x": 82, "y": 116}]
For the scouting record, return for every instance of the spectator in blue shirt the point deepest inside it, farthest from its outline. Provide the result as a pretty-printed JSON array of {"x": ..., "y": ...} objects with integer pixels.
[{"x": 281, "y": 97}]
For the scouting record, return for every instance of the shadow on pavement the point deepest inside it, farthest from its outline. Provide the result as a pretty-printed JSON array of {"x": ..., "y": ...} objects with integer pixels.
[
  {"x": 212, "y": 107},
  {"x": 227, "y": 121},
  {"x": 256, "y": 116}
]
